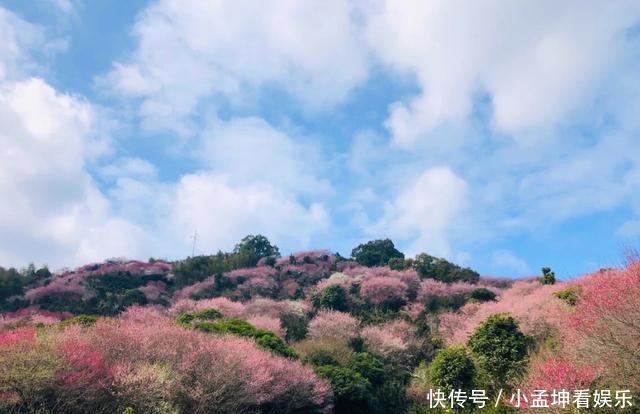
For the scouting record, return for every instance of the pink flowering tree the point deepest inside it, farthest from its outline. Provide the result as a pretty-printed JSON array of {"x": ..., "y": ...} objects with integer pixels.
[
  {"x": 384, "y": 291},
  {"x": 532, "y": 305},
  {"x": 336, "y": 325},
  {"x": 604, "y": 321}
]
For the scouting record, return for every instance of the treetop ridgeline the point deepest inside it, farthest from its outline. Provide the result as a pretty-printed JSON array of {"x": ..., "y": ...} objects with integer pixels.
[{"x": 311, "y": 332}]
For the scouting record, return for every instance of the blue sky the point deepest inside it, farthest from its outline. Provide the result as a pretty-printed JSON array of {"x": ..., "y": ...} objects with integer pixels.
[{"x": 501, "y": 135}]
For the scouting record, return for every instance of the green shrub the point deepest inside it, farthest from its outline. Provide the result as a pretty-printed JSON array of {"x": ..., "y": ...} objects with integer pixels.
[
  {"x": 570, "y": 295},
  {"x": 483, "y": 295},
  {"x": 501, "y": 349},
  {"x": 207, "y": 314},
  {"x": 324, "y": 352},
  {"x": 548, "y": 277},
  {"x": 332, "y": 297},
  {"x": 84, "y": 320},
  {"x": 453, "y": 369},
  {"x": 185, "y": 318},
  {"x": 269, "y": 340},
  {"x": 369, "y": 367},
  {"x": 435, "y": 304},
  {"x": 264, "y": 338},
  {"x": 295, "y": 326},
  {"x": 352, "y": 391}
]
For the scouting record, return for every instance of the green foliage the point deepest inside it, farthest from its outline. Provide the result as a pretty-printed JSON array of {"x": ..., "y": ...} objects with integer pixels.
[
  {"x": 295, "y": 326},
  {"x": 264, "y": 338},
  {"x": 376, "y": 253},
  {"x": 360, "y": 380},
  {"x": 352, "y": 391},
  {"x": 209, "y": 314},
  {"x": 198, "y": 268},
  {"x": 65, "y": 302},
  {"x": 84, "y": 320},
  {"x": 435, "y": 304},
  {"x": 483, "y": 295},
  {"x": 129, "y": 410},
  {"x": 369, "y": 367},
  {"x": 397, "y": 263},
  {"x": 375, "y": 316},
  {"x": 253, "y": 248},
  {"x": 185, "y": 318},
  {"x": 269, "y": 340},
  {"x": 13, "y": 283},
  {"x": 570, "y": 295},
  {"x": 332, "y": 297},
  {"x": 324, "y": 352},
  {"x": 453, "y": 369},
  {"x": 501, "y": 348},
  {"x": 548, "y": 277},
  {"x": 390, "y": 397},
  {"x": 114, "y": 282},
  {"x": 432, "y": 267}
]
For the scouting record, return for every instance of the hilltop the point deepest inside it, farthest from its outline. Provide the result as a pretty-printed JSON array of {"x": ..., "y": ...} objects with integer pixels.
[{"x": 254, "y": 331}]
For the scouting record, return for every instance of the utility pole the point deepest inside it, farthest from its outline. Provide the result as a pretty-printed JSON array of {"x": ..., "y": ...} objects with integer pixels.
[{"x": 195, "y": 237}]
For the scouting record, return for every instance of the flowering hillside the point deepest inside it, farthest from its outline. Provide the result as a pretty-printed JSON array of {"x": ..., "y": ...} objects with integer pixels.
[{"x": 313, "y": 332}]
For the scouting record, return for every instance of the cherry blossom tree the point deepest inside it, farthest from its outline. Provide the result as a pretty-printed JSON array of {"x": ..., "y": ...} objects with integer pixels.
[{"x": 331, "y": 324}]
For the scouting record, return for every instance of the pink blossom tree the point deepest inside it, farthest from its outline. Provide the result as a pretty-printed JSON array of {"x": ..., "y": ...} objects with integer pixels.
[
  {"x": 384, "y": 291},
  {"x": 329, "y": 324}
]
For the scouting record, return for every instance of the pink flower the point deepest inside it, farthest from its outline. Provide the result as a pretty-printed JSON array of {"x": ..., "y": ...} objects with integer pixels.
[
  {"x": 532, "y": 304},
  {"x": 267, "y": 322},
  {"x": 391, "y": 338},
  {"x": 153, "y": 290},
  {"x": 333, "y": 325},
  {"x": 558, "y": 373},
  {"x": 383, "y": 289},
  {"x": 20, "y": 335},
  {"x": 187, "y": 291},
  {"x": 252, "y": 272}
]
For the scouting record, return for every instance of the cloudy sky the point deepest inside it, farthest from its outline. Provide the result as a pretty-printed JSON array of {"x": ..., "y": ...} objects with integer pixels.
[{"x": 502, "y": 135}]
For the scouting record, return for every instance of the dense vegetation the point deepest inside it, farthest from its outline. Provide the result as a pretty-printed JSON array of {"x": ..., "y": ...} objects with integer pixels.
[{"x": 250, "y": 331}]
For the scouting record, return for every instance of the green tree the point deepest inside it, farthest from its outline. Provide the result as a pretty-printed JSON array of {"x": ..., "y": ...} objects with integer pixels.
[
  {"x": 352, "y": 391},
  {"x": 501, "y": 348},
  {"x": 453, "y": 369},
  {"x": 333, "y": 297},
  {"x": 376, "y": 253},
  {"x": 294, "y": 325},
  {"x": 440, "y": 269},
  {"x": 397, "y": 263},
  {"x": 253, "y": 248},
  {"x": 548, "y": 277},
  {"x": 483, "y": 295},
  {"x": 369, "y": 367}
]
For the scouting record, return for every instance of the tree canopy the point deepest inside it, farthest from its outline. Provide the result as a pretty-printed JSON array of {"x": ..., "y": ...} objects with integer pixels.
[{"x": 376, "y": 252}]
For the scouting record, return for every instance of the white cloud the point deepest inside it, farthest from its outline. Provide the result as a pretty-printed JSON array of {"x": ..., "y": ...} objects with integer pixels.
[
  {"x": 249, "y": 150},
  {"x": 425, "y": 212},
  {"x": 66, "y": 6},
  {"x": 17, "y": 38},
  {"x": 630, "y": 228},
  {"x": 507, "y": 261},
  {"x": 223, "y": 214},
  {"x": 537, "y": 61},
  {"x": 128, "y": 168},
  {"x": 52, "y": 211},
  {"x": 191, "y": 50}
]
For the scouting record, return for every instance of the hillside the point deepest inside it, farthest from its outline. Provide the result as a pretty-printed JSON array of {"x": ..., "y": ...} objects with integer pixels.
[{"x": 253, "y": 331}]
